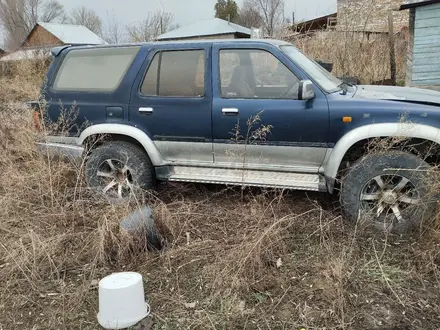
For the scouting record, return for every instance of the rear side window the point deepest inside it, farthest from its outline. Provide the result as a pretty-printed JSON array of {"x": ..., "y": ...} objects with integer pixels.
[
  {"x": 176, "y": 73},
  {"x": 94, "y": 69}
]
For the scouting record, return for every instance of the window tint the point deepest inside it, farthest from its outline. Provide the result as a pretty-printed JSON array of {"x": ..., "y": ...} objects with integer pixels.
[
  {"x": 253, "y": 73},
  {"x": 181, "y": 73},
  {"x": 94, "y": 69},
  {"x": 150, "y": 86}
]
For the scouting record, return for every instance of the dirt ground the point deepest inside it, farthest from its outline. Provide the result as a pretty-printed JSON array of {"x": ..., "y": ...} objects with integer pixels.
[{"x": 258, "y": 260}]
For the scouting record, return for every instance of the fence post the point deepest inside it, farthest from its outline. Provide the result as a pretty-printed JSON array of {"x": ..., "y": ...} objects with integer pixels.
[{"x": 392, "y": 50}]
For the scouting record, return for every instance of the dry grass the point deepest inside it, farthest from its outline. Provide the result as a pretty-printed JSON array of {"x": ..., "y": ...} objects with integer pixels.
[
  {"x": 258, "y": 260},
  {"x": 355, "y": 54},
  {"x": 21, "y": 82}
]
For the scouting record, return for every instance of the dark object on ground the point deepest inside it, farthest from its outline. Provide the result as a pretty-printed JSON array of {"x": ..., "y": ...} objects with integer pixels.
[{"x": 141, "y": 223}]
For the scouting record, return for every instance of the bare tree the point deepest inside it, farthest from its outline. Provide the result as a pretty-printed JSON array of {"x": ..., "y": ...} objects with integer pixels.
[
  {"x": 150, "y": 28},
  {"x": 271, "y": 12},
  {"x": 18, "y": 17},
  {"x": 113, "y": 31},
  {"x": 249, "y": 16},
  {"x": 52, "y": 10},
  {"x": 88, "y": 18}
]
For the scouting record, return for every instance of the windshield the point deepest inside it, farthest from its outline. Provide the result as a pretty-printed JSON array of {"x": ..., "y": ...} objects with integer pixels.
[{"x": 315, "y": 71}]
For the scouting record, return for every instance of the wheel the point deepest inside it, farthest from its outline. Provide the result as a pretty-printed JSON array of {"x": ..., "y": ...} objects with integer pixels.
[
  {"x": 389, "y": 191},
  {"x": 119, "y": 169}
]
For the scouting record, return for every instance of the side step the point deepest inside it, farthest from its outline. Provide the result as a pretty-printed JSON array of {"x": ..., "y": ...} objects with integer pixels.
[{"x": 240, "y": 177}]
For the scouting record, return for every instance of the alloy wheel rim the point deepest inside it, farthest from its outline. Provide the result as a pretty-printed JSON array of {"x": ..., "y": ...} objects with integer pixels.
[
  {"x": 115, "y": 178},
  {"x": 390, "y": 199}
]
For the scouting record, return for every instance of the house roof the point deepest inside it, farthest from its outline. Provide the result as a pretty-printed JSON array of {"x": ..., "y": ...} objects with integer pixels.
[
  {"x": 72, "y": 34},
  {"x": 209, "y": 27},
  {"x": 315, "y": 23},
  {"x": 417, "y": 3}
]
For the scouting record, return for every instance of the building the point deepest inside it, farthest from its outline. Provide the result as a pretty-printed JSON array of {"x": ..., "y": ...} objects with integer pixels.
[
  {"x": 370, "y": 16},
  {"x": 50, "y": 34},
  {"x": 214, "y": 28},
  {"x": 316, "y": 24},
  {"x": 47, "y": 35},
  {"x": 423, "y": 58},
  {"x": 364, "y": 17}
]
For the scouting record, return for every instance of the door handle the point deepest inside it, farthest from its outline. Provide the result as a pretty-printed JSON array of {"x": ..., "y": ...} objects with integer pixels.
[
  {"x": 146, "y": 110},
  {"x": 230, "y": 111}
]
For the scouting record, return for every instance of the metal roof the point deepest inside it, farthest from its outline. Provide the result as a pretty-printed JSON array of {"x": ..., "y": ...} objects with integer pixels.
[
  {"x": 208, "y": 27},
  {"x": 72, "y": 34},
  {"x": 417, "y": 3}
]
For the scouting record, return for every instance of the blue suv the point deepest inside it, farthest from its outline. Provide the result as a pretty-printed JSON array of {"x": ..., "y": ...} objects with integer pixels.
[{"x": 242, "y": 112}]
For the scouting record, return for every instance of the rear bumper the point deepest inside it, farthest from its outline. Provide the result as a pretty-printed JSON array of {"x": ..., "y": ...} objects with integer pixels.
[{"x": 70, "y": 151}]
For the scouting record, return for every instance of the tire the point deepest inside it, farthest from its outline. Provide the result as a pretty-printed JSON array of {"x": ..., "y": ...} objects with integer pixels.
[
  {"x": 119, "y": 170},
  {"x": 384, "y": 191}
]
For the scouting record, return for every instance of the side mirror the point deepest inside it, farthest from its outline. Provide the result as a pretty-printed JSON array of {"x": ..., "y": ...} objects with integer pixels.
[{"x": 306, "y": 91}]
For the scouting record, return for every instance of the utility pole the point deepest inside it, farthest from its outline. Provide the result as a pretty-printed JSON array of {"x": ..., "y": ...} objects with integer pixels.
[
  {"x": 392, "y": 50},
  {"x": 284, "y": 16}
]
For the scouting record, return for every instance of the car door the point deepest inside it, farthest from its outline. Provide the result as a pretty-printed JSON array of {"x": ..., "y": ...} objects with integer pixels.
[
  {"x": 258, "y": 119},
  {"x": 171, "y": 101}
]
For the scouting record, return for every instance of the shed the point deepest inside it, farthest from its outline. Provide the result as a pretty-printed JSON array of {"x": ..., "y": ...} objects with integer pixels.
[
  {"x": 208, "y": 29},
  {"x": 423, "y": 59},
  {"x": 50, "y": 34},
  {"x": 317, "y": 24},
  {"x": 44, "y": 36}
]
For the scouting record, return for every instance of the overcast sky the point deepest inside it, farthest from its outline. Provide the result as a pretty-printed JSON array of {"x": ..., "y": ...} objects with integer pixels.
[{"x": 188, "y": 11}]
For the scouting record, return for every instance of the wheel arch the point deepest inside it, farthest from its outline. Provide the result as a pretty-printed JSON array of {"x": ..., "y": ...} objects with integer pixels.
[
  {"x": 124, "y": 132},
  {"x": 368, "y": 132}
]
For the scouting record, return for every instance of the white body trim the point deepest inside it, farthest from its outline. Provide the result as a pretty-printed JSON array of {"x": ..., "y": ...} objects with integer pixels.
[
  {"x": 131, "y": 131},
  {"x": 372, "y": 131}
]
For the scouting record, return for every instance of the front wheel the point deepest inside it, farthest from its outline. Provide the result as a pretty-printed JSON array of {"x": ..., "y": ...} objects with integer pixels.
[
  {"x": 390, "y": 191},
  {"x": 119, "y": 170}
]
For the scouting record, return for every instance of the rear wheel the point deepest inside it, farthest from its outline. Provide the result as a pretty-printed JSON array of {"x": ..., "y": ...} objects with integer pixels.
[
  {"x": 119, "y": 170},
  {"x": 390, "y": 191}
]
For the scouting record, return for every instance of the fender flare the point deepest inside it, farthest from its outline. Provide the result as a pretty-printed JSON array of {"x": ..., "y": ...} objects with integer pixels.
[
  {"x": 127, "y": 130},
  {"x": 409, "y": 130}
]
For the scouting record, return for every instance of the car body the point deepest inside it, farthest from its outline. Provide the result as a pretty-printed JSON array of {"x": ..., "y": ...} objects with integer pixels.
[{"x": 242, "y": 112}]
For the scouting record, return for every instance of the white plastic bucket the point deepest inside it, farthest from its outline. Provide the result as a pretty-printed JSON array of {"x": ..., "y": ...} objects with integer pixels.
[{"x": 121, "y": 300}]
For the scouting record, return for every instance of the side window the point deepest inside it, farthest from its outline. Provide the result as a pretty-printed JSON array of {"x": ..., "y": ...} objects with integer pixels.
[
  {"x": 99, "y": 69},
  {"x": 253, "y": 73},
  {"x": 176, "y": 73}
]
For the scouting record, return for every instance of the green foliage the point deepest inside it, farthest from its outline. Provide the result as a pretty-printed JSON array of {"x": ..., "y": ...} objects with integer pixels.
[{"x": 227, "y": 10}]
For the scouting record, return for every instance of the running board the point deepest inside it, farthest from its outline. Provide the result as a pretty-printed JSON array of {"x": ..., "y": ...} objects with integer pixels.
[{"x": 240, "y": 177}]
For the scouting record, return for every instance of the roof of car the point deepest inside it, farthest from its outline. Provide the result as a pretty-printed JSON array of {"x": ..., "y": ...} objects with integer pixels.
[{"x": 197, "y": 42}]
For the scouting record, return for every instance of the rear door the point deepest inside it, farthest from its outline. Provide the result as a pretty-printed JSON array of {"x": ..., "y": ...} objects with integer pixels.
[
  {"x": 90, "y": 86},
  {"x": 171, "y": 101}
]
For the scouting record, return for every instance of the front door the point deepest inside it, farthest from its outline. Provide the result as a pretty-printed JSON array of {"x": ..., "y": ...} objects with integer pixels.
[
  {"x": 258, "y": 120},
  {"x": 171, "y": 102}
]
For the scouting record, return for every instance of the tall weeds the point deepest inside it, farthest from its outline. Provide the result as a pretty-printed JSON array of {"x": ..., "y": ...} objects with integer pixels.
[
  {"x": 233, "y": 259},
  {"x": 356, "y": 54}
]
